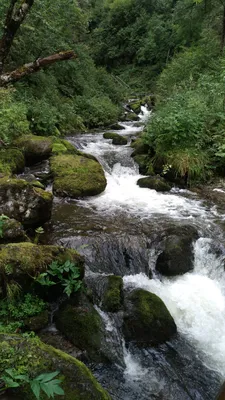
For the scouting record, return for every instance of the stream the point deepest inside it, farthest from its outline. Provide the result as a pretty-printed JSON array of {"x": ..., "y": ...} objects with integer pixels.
[{"x": 120, "y": 232}]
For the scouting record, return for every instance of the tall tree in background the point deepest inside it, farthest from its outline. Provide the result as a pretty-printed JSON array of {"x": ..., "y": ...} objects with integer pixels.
[{"x": 15, "y": 16}]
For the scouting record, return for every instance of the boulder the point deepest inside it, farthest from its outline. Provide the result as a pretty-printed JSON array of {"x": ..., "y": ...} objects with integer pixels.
[
  {"x": 32, "y": 357},
  {"x": 21, "y": 262},
  {"x": 144, "y": 164},
  {"x": 19, "y": 199},
  {"x": 154, "y": 182},
  {"x": 139, "y": 147},
  {"x": 116, "y": 138},
  {"x": 83, "y": 326},
  {"x": 37, "y": 322},
  {"x": 147, "y": 321},
  {"x": 61, "y": 146},
  {"x": 77, "y": 176},
  {"x": 117, "y": 127},
  {"x": 131, "y": 117},
  {"x": 35, "y": 148},
  {"x": 11, "y": 231},
  {"x": 177, "y": 258},
  {"x": 113, "y": 294},
  {"x": 11, "y": 161}
]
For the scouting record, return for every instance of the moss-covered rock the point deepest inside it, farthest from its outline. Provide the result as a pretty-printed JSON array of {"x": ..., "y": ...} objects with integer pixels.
[
  {"x": 155, "y": 182},
  {"x": 11, "y": 161},
  {"x": 61, "y": 146},
  {"x": 132, "y": 116},
  {"x": 37, "y": 322},
  {"x": 178, "y": 255},
  {"x": 27, "y": 204},
  {"x": 35, "y": 148},
  {"x": 117, "y": 127},
  {"x": 147, "y": 321},
  {"x": 136, "y": 106},
  {"x": 82, "y": 325},
  {"x": 12, "y": 231},
  {"x": 37, "y": 184},
  {"x": 77, "y": 176},
  {"x": 143, "y": 163},
  {"x": 113, "y": 295},
  {"x": 32, "y": 357},
  {"x": 139, "y": 147},
  {"x": 116, "y": 138},
  {"x": 21, "y": 262}
]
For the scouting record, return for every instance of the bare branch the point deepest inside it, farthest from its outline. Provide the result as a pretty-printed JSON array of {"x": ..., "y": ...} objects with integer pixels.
[{"x": 35, "y": 66}]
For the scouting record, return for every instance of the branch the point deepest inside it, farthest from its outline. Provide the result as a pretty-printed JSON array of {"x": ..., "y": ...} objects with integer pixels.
[
  {"x": 35, "y": 66},
  {"x": 14, "y": 18}
]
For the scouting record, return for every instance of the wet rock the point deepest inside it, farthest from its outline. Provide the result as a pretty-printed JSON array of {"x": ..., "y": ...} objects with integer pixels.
[
  {"x": 177, "y": 257},
  {"x": 117, "y": 127},
  {"x": 143, "y": 163},
  {"x": 131, "y": 117},
  {"x": 147, "y": 321},
  {"x": 154, "y": 182},
  {"x": 78, "y": 381},
  {"x": 139, "y": 147},
  {"x": 116, "y": 138},
  {"x": 20, "y": 262},
  {"x": 11, "y": 161},
  {"x": 113, "y": 295},
  {"x": 24, "y": 202},
  {"x": 77, "y": 176},
  {"x": 61, "y": 146},
  {"x": 37, "y": 322},
  {"x": 35, "y": 148},
  {"x": 136, "y": 106},
  {"x": 12, "y": 231},
  {"x": 82, "y": 325}
]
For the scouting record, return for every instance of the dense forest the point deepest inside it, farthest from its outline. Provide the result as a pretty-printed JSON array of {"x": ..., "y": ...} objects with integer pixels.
[{"x": 87, "y": 251}]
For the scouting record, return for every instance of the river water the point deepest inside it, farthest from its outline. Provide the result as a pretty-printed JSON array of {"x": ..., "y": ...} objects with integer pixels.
[{"x": 120, "y": 232}]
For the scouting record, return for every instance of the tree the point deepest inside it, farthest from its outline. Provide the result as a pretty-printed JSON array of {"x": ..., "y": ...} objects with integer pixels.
[{"x": 15, "y": 16}]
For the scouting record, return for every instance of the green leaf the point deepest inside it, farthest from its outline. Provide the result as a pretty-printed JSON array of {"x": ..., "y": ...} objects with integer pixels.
[
  {"x": 47, "y": 376},
  {"x": 35, "y": 387}
]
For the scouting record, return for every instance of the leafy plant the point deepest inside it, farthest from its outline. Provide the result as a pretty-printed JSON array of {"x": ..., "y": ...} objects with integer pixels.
[
  {"x": 66, "y": 274},
  {"x": 38, "y": 231},
  {"x": 42, "y": 383},
  {"x": 26, "y": 307}
]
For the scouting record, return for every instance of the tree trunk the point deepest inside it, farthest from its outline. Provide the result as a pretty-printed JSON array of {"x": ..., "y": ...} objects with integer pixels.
[
  {"x": 35, "y": 66},
  {"x": 14, "y": 18}
]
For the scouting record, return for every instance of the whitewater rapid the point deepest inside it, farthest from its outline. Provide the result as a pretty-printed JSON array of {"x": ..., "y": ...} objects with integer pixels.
[{"x": 196, "y": 300}]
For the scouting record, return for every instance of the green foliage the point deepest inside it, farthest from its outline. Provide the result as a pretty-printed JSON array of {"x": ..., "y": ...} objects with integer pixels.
[
  {"x": 24, "y": 307},
  {"x": 38, "y": 231},
  {"x": 13, "y": 121},
  {"x": 42, "y": 383},
  {"x": 65, "y": 274}
]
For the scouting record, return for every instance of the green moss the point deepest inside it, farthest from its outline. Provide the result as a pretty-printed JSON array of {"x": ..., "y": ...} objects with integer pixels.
[
  {"x": 146, "y": 319},
  {"x": 143, "y": 161},
  {"x": 77, "y": 176},
  {"x": 12, "y": 230},
  {"x": 132, "y": 116},
  {"x": 37, "y": 184},
  {"x": 26, "y": 260},
  {"x": 47, "y": 196},
  {"x": 11, "y": 161},
  {"x": 61, "y": 146},
  {"x": 113, "y": 297},
  {"x": 34, "y": 357},
  {"x": 136, "y": 106},
  {"x": 35, "y": 148},
  {"x": 82, "y": 326},
  {"x": 139, "y": 147}
]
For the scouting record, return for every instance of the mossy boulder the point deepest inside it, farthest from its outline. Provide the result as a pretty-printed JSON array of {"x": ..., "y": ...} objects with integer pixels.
[
  {"x": 35, "y": 148},
  {"x": 82, "y": 325},
  {"x": 32, "y": 357},
  {"x": 177, "y": 257},
  {"x": 19, "y": 199},
  {"x": 132, "y": 116},
  {"x": 147, "y": 321},
  {"x": 77, "y": 176},
  {"x": 136, "y": 106},
  {"x": 113, "y": 294},
  {"x": 117, "y": 127},
  {"x": 11, "y": 161},
  {"x": 61, "y": 146},
  {"x": 116, "y": 138},
  {"x": 139, "y": 147},
  {"x": 143, "y": 163},
  {"x": 12, "y": 231},
  {"x": 21, "y": 262},
  {"x": 155, "y": 182},
  {"x": 37, "y": 322}
]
